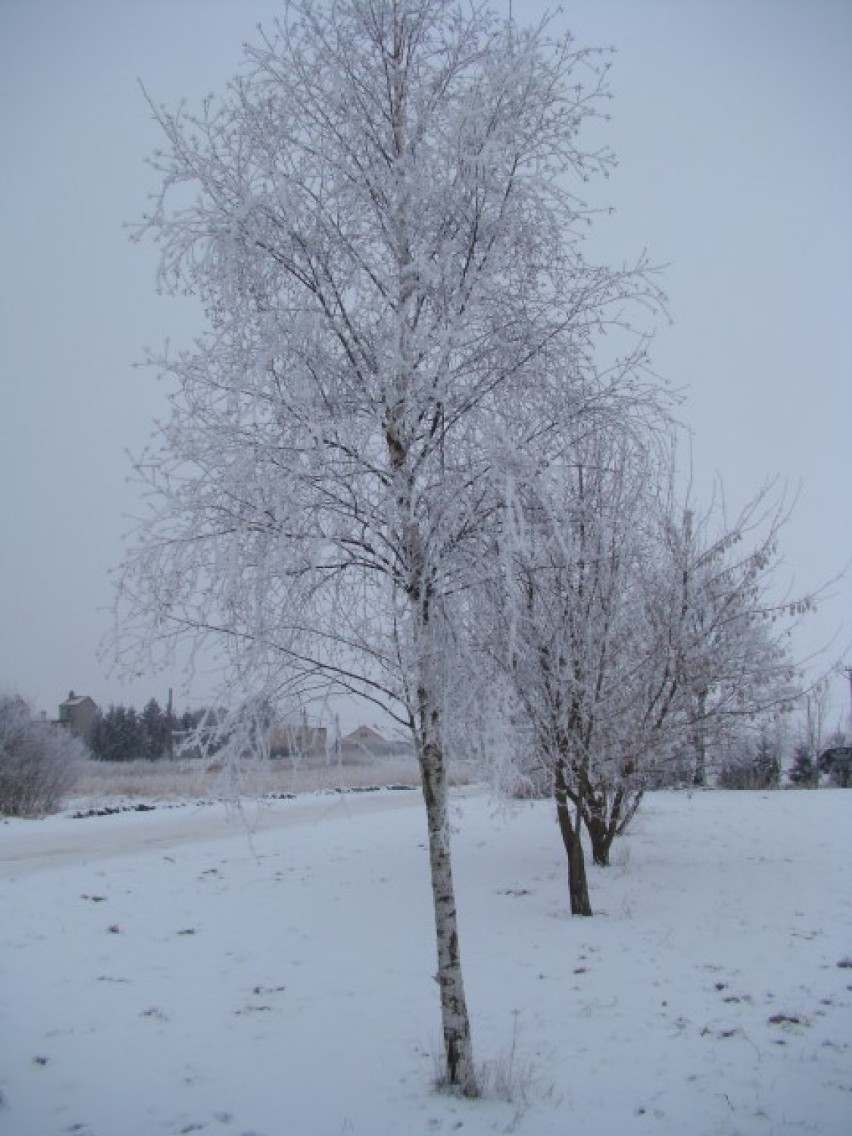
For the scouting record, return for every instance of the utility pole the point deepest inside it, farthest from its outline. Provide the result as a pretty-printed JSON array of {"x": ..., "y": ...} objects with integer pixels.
[{"x": 170, "y": 729}]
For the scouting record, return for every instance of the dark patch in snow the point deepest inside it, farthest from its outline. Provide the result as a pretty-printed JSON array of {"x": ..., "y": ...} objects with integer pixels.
[
  {"x": 378, "y": 789},
  {"x": 112, "y": 810},
  {"x": 156, "y": 1013},
  {"x": 788, "y": 1020},
  {"x": 340, "y": 792}
]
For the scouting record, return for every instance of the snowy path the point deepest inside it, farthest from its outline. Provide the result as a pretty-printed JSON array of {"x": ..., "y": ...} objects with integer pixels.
[{"x": 30, "y": 847}]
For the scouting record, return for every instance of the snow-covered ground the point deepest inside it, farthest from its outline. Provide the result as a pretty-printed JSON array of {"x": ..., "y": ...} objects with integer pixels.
[{"x": 269, "y": 971}]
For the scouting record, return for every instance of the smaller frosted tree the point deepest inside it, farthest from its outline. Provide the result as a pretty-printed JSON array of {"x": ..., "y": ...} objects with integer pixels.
[
  {"x": 717, "y": 659},
  {"x": 731, "y": 637},
  {"x": 631, "y": 637},
  {"x": 572, "y": 633}
]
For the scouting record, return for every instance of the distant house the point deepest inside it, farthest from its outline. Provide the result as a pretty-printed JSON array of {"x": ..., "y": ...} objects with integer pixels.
[
  {"x": 366, "y": 742},
  {"x": 78, "y": 713},
  {"x": 298, "y": 741}
]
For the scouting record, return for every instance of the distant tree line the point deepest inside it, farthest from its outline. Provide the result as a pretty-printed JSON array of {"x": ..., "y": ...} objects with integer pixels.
[{"x": 123, "y": 733}]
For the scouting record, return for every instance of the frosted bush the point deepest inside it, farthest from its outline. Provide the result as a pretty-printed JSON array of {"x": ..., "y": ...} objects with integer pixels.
[{"x": 39, "y": 761}]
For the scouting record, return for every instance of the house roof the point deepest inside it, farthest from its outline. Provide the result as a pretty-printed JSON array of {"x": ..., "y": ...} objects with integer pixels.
[
  {"x": 76, "y": 699},
  {"x": 363, "y": 734}
]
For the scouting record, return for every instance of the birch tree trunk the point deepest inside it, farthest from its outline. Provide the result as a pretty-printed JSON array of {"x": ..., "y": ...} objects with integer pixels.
[
  {"x": 427, "y": 731},
  {"x": 455, "y": 1021}
]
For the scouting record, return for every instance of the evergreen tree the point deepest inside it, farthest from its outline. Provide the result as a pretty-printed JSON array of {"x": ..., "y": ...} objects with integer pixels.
[
  {"x": 155, "y": 726},
  {"x": 804, "y": 772}
]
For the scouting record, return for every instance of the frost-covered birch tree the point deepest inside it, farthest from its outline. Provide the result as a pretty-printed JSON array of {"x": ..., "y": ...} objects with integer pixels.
[{"x": 379, "y": 217}]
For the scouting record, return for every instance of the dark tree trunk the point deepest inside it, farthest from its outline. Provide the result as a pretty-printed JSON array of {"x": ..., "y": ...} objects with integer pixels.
[
  {"x": 699, "y": 772},
  {"x": 605, "y": 821},
  {"x": 601, "y": 836},
  {"x": 569, "y": 827}
]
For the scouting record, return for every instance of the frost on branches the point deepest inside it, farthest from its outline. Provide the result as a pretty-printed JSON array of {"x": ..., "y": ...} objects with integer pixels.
[
  {"x": 380, "y": 219},
  {"x": 635, "y": 636}
]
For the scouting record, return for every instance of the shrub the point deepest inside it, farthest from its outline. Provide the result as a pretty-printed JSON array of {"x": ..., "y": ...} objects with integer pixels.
[
  {"x": 39, "y": 761},
  {"x": 756, "y": 768}
]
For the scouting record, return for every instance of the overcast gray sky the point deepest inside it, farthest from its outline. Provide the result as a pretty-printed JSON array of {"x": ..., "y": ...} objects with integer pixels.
[{"x": 732, "y": 120}]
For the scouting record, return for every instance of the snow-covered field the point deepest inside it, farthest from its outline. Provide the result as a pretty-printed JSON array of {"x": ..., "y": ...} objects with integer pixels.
[{"x": 268, "y": 971}]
